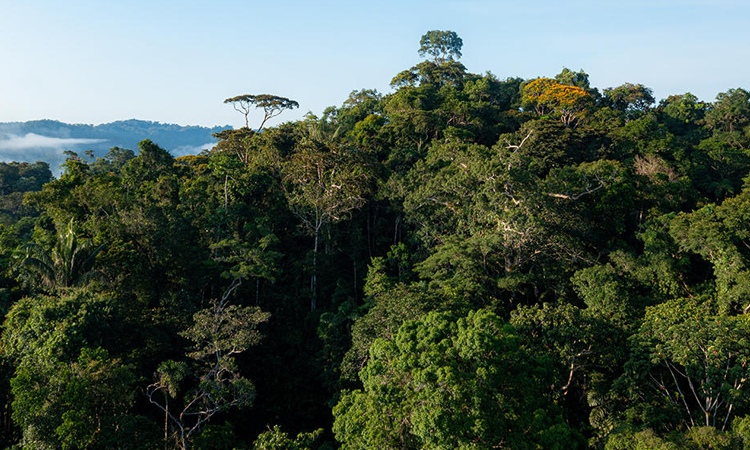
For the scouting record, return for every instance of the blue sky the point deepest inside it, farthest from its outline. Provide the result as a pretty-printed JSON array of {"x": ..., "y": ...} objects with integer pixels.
[{"x": 83, "y": 61}]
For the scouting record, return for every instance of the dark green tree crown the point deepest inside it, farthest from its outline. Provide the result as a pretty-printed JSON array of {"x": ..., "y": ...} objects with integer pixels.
[{"x": 441, "y": 45}]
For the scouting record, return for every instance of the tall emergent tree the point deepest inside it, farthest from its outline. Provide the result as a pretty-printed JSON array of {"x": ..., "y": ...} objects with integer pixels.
[
  {"x": 443, "y": 46},
  {"x": 272, "y": 105},
  {"x": 323, "y": 185}
]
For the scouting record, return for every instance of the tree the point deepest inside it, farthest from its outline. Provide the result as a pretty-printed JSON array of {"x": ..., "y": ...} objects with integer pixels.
[
  {"x": 218, "y": 333},
  {"x": 443, "y": 46},
  {"x": 152, "y": 163},
  {"x": 729, "y": 117},
  {"x": 689, "y": 366},
  {"x": 611, "y": 292},
  {"x": 237, "y": 142},
  {"x": 323, "y": 185},
  {"x": 721, "y": 235},
  {"x": 443, "y": 383},
  {"x": 68, "y": 391},
  {"x": 730, "y": 112},
  {"x": 490, "y": 216},
  {"x": 683, "y": 113},
  {"x": 391, "y": 308},
  {"x": 9, "y": 176},
  {"x": 632, "y": 98},
  {"x": 249, "y": 258},
  {"x": 699, "y": 438},
  {"x": 546, "y": 95},
  {"x": 113, "y": 161},
  {"x": 576, "y": 340},
  {"x": 579, "y": 79},
  {"x": 430, "y": 76},
  {"x": 272, "y": 105},
  {"x": 275, "y": 439},
  {"x": 69, "y": 263},
  {"x": 23, "y": 177},
  {"x": 80, "y": 404},
  {"x": 360, "y": 106}
]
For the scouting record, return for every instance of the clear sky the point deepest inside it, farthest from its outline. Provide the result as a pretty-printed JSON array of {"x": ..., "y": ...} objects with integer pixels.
[{"x": 95, "y": 61}]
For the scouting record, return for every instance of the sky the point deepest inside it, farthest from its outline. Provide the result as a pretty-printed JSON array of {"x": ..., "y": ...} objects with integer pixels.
[{"x": 85, "y": 61}]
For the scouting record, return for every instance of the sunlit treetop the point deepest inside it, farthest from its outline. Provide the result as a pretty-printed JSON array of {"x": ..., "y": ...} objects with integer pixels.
[
  {"x": 546, "y": 96},
  {"x": 442, "y": 46},
  {"x": 272, "y": 105},
  {"x": 630, "y": 96}
]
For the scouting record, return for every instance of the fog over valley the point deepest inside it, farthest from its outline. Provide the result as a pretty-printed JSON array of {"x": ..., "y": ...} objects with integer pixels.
[{"x": 47, "y": 140}]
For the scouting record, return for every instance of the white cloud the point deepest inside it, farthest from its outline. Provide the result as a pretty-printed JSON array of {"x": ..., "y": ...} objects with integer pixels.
[
  {"x": 35, "y": 147},
  {"x": 35, "y": 141}
]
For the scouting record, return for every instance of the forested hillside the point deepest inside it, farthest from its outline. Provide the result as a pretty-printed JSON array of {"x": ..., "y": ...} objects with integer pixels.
[
  {"x": 46, "y": 140},
  {"x": 468, "y": 262}
]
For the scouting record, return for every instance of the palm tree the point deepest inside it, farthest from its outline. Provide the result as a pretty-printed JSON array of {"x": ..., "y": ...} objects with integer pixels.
[{"x": 69, "y": 263}]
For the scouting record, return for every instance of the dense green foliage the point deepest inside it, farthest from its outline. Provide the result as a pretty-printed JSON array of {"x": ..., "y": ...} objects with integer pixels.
[
  {"x": 467, "y": 262},
  {"x": 444, "y": 383}
]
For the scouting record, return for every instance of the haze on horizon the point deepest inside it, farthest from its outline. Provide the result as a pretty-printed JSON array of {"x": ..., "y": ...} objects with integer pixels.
[{"x": 175, "y": 62}]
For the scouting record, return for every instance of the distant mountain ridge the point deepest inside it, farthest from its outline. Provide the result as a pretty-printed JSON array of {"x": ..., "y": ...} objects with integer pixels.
[{"x": 46, "y": 140}]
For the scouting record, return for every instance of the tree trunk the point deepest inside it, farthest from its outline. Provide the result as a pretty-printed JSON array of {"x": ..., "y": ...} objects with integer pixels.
[
  {"x": 314, "y": 277},
  {"x": 226, "y": 195},
  {"x": 166, "y": 422},
  {"x": 395, "y": 230}
]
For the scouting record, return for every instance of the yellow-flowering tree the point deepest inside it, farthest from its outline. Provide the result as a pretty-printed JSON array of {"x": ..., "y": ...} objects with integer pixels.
[{"x": 546, "y": 96}]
